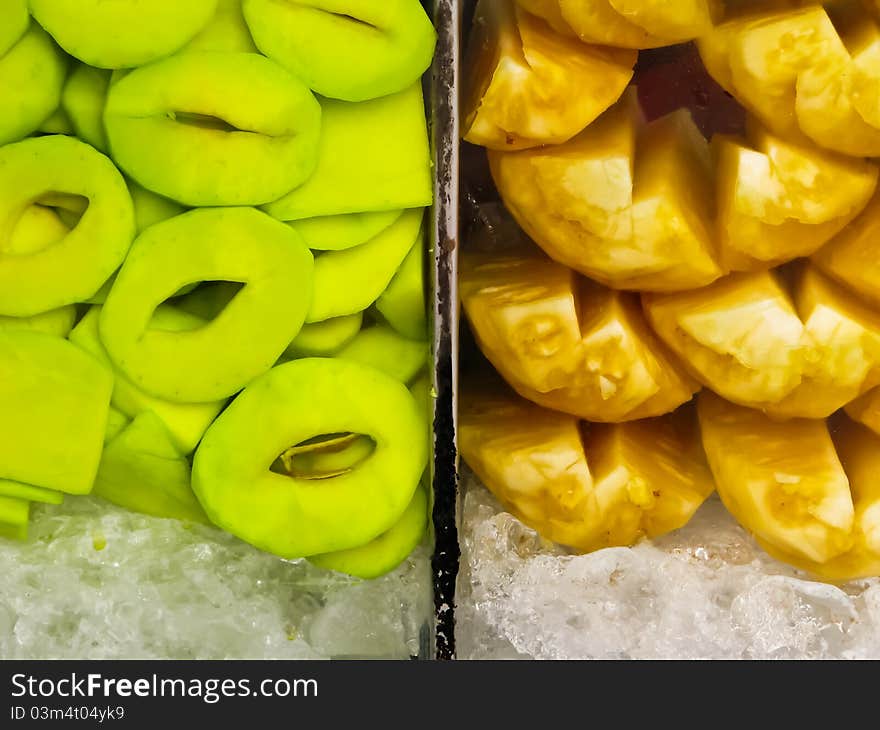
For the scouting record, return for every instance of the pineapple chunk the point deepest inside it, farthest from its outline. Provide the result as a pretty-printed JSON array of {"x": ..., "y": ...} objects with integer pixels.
[
  {"x": 748, "y": 340},
  {"x": 566, "y": 343},
  {"x": 859, "y": 453},
  {"x": 741, "y": 336},
  {"x": 851, "y": 257},
  {"x": 805, "y": 72},
  {"x": 528, "y": 85},
  {"x": 634, "y": 480},
  {"x": 782, "y": 480},
  {"x": 777, "y": 201},
  {"x": 549, "y": 11},
  {"x": 866, "y": 410},
  {"x": 631, "y": 215}
]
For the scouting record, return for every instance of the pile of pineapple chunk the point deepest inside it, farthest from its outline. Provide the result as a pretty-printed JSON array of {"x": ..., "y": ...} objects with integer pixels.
[{"x": 678, "y": 314}]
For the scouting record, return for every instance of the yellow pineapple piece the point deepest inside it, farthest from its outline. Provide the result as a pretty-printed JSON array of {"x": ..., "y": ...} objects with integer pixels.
[
  {"x": 596, "y": 21},
  {"x": 675, "y": 22},
  {"x": 852, "y": 258},
  {"x": 637, "y": 479},
  {"x": 629, "y": 215},
  {"x": 805, "y": 72},
  {"x": 565, "y": 342},
  {"x": 529, "y": 85},
  {"x": 740, "y": 336},
  {"x": 549, "y": 11},
  {"x": 866, "y": 410},
  {"x": 859, "y": 453},
  {"x": 778, "y": 201},
  {"x": 782, "y": 480}
]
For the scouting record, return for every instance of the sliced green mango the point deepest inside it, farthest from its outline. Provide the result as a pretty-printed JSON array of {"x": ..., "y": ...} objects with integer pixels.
[
  {"x": 245, "y": 339},
  {"x": 386, "y": 552},
  {"x": 54, "y": 403},
  {"x": 212, "y": 129},
  {"x": 75, "y": 267},
  {"x": 227, "y": 31},
  {"x": 143, "y": 471},
  {"x": 338, "y": 232},
  {"x": 116, "y": 421},
  {"x": 292, "y": 403},
  {"x": 323, "y": 339},
  {"x": 58, "y": 123},
  {"x": 346, "y": 49},
  {"x": 83, "y": 99},
  {"x": 402, "y": 304},
  {"x": 122, "y": 33},
  {"x": 350, "y": 281},
  {"x": 372, "y": 156},
  {"x": 57, "y": 322},
  {"x": 14, "y": 20},
  {"x": 150, "y": 208},
  {"x": 31, "y": 78},
  {"x": 186, "y": 422},
  {"x": 383, "y": 348},
  {"x": 29, "y": 492}
]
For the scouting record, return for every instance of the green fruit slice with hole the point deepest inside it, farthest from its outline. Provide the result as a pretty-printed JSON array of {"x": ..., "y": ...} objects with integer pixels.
[
  {"x": 347, "y": 230},
  {"x": 289, "y": 405},
  {"x": 403, "y": 304},
  {"x": 54, "y": 401},
  {"x": 14, "y": 20},
  {"x": 57, "y": 322},
  {"x": 76, "y": 266},
  {"x": 323, "y": 339},
  {"x": 227, "y": 31},
  {"x": 214, "y": 129},
  {"x": 382, "y": 348},
  {"x": 122, "y": 33},
  {"x": 83, "y": 99},
  {"x": 346, "y": 49},
  {"x": 250, "y": 334}
]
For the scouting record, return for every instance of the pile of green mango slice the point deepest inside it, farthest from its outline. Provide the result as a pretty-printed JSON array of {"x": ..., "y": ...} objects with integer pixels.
[{"x": 212, "y": 295}]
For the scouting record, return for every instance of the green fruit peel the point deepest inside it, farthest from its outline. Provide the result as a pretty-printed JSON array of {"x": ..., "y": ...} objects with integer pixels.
[
  {"x": 214, "y": 129},
  {"x": 250, "y": 334},
  {"x": 289, "y": 405}
]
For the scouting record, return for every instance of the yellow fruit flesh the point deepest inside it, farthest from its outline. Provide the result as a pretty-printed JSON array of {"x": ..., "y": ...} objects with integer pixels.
[
  {"x": 676, "y": 22},
  {"x": 782, "y": 480},
  {"x": 859, "y": 453},
  {"x": 777, "y": 201},
  {"x": 596, "y": 21},
  {"x": 549, "y": 11},
  {"x": 851, "y": 256},
  {"x": 529, "y": 85},
  {"x": 567, "y": 343},
  {"x": 631, "y": 216},
  {"x": 866, "y": 410},
  {"x": 647, "y": 477}
]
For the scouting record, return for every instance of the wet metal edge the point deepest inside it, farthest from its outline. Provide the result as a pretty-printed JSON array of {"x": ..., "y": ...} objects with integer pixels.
[{"x": 443, "y": 254}]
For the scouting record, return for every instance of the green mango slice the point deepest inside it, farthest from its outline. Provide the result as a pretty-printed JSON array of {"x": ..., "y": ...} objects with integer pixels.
[
  {"x": 14, "y": 515},
  {"x": 116, "y": 421},
  {"x": 386, "y": 552},
  {"x": 58, "y": 123},
  {"x": 32, "y": 75},
  {"x": 75, "y": 267},
  {"x": 14, "y": 20},
  {"x": 350, "y": 281},
  {"x": 141, "y": 470},
  {"x": 221, "y": 357},
  {"x": 150, "y": 208},
  {"x": 372, "y": 156},
  {"x": 384, "y": 349},
  {"x": 339, "y": 232},
  {"x": 57, "y": 322},
  {"x": 186, "y": 422},
  {"x": 403, "y": 304},
  {"x": 54, "y": 403},
  {"x": 289, "y": 405},
  {"x": 29, "y": 493},
  {"x": 226, "y": 32},
  {"x": 214, "y": 129},
  {"x": 346, "y": 49},
  {"x": 84, "y": 98},
  {"x": 122, "y": 33},
  {"x": 323, "y": 339}
]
